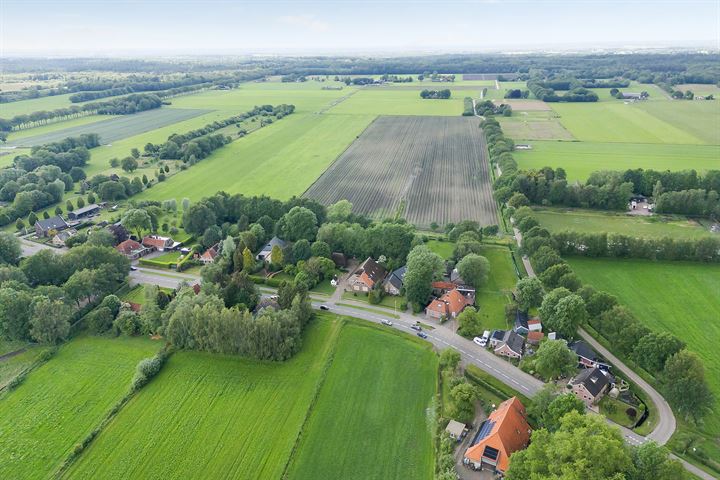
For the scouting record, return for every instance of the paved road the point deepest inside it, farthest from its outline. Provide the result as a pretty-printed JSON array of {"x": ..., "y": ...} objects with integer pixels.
[{"x": 31, "y": 248}]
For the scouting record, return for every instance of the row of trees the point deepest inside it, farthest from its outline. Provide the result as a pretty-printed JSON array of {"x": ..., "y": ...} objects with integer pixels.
[
  {"x": 517, "y": 93},
  {"x": 488, "y": 107},
  {"x": 435, "y": 94},
  {"x": 113, "y": 88},
  {"x": 545, "y": 91}
]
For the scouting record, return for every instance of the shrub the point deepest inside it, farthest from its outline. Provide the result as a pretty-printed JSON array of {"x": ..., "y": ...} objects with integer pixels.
[
  {"x": 631, "y": 412},
  {"x": 146, "y": 369}
]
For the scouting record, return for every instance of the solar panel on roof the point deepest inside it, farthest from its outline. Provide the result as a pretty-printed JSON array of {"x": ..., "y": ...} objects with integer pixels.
[
  {"x": 491, "y": 453},
  {"x": 484, "y": 431}
]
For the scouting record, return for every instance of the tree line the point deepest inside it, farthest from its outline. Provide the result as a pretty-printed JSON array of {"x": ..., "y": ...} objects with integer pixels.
[
  {"x": 436, "y": 94},
  {"x": 487, "y": 108},
  {"x": 102, "y": 89},
  {"x": 545, "y": 91}
]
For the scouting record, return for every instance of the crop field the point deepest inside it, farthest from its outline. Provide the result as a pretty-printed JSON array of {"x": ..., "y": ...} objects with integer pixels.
[
  {"x": 699, "y": 118},
  {"x": 389, "y": 101},
  {"x": 579, "y": 159},
  {"x": 425, "y": 169},
  {"x": 620, "y": 122},
  {"x": 55, "y": 126},
  {"x": 62, "y": 401},
  {"x": 280, "y": 160},
  {"x": 558, "y": 220},
  {"x": 117, "y": 127},
  {"x": 678, "y": 297},
  {"x": 537, "y": 127},
  {"x": 386, "y": 385}
]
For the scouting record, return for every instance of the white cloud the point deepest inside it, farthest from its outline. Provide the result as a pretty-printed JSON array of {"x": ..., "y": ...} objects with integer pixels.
[{"x": 306, "y": 21}]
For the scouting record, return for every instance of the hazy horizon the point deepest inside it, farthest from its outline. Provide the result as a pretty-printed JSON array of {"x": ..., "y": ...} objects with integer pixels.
[{"x": 222, "y": 27}]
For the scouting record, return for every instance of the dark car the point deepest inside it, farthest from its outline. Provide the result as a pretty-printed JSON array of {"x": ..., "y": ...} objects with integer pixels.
[
  {"x": 416, "y": 327},
  {"x": 324, "y": 307},
  {"x": 422, "y": 334}
]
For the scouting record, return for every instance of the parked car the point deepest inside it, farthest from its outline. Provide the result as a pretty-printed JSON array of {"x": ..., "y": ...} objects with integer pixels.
[
  {"x": 422, "y": 334},
  {"x": 386, "y": 322},
  {"x": 324, "y": 307},
  {"x": 133, "y": 268},
  {"x": 478, "y": 341},
  {"x": 416, "y": 327}
]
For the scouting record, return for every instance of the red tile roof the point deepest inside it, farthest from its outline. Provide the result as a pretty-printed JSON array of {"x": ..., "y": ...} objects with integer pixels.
[
  {"x": 535, "y": 336},
  {"x": 451, "y": 303},
  {"x": 128, "y": 246},
  {"x": 509, "y": 433},
  {"x": 157, "y": 242},
  {"x": 443, "y": 285}
]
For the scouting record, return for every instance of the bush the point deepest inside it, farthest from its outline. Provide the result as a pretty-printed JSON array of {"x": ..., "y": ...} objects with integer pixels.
[
  {"x": 631, "y": 412},
  {"x": 146, "y": 369}
]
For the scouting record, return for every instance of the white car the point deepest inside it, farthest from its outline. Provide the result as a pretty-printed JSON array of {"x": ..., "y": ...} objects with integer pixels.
[
  {"x": 386, "y": 322},
  {"x": 479, "y": 341}
]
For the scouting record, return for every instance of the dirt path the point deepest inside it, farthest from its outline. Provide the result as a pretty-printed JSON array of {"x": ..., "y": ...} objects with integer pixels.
[{"x": 10, "y": 355}]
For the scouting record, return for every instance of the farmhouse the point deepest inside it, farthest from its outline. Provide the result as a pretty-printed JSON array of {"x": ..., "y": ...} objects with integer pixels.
[
  {"x": 159, "y": 243},
  {"x": 59, "y": 239},
  {"x": 210, "y": 254},
  {"x": 505, "y": 431},
  {"x": 264, "y": 254},
  {"x": 132, "y": 249},
  {"x": 365, "y": 277},
  {"x": 449, "y": 305},
  {"x": 44, "y": 227},
  {"x": 84, "y": 212},
  {"x": 590, "y": 385},
  {"x": 510, "y": 346},
  {"x": 587, "y": 358},
  {"x": 394, "y": 282}
]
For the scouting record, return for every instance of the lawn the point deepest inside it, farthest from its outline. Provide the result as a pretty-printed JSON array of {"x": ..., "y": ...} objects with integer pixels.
[
  {"x": 579, "y": 159},
  {"x": 401, "y": 102},
  {"x": 280, "y": 160},
  {"x": 386, "y": 385},
  {"x": 620, "y": 122},
  {"x": 63, "y": 400},
  {"x": 442, "y": 248},
  {"x": 230, "y": 417},
  {"x": 166, "y": 260},
  {"x": 558, "y": 220},
  {"x": 492, "y": 297},
  {"x": 682, "y": 298},
  {"x": 12, "y": 366}
]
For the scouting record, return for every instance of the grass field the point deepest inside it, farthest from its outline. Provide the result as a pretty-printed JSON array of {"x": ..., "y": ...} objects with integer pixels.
[
  {"x": 11, "y": 109},
  {"x": 700, "y": 118},
  {"x": 423, "y": 169},
  {"x": 579, "y": 159},
  {"x": 62, "y": 401},
  {"x": 386, "y": 385},
  {"x": 558, "y": 220},
  {"x": 116, "y": 127},
  {"x": 540, "y": 126},
  {"x": 681, "y": 298},
  {"x": 444, "y": 249},
  {"x": 12, "y": 366},
  {"x": 619, "y": 122},
  {"x": 280, "y": 160},
  {"x": 55, "y": 126},
  {"x": 400, "y": 102},
  {"x": 703, "y": 89},
  {"x": 493, "y": 296}
]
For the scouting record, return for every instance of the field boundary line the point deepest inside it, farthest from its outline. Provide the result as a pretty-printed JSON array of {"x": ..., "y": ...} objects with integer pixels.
[
  {"x": 340, "y": 155},
  {"x": 17, "y": 380},
  {"x": 313, "y": 401}
]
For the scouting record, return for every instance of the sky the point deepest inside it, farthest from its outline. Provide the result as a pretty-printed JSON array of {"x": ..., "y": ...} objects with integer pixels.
[{"x": 122, "y": 27}]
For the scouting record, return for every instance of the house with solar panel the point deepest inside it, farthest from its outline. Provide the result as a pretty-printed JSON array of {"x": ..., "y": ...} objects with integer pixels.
[{"x": 505, "y": 431}]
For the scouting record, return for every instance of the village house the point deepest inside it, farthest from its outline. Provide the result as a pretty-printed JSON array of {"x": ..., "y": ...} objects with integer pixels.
[
  {"x": 587, "y": 358},
  {"x": 521, "y": 323},
  {"x": 505, "y": 431},
  {"x": 59, "y": 239},
  {"x": 264, "y": 303},
  {"x": 590, "y": 385},
  {"x": 84, "y": 212},
  {"x": 510, "y": 346},
  {"x": 210, "y": 254},
  {"x": 496, "y": 337},
  {"x": 394, "y": 282},
  {"x": 264, "y": 254},
  {"x": 53, "y": 224},
  {"x": 367, "y": 275},
  {"x": 534, "y": 338},
  {"x": 161, "y": 244},
  {"x": 448, "y": 306},
  {"x": 132, "y": 249},
  {"x": 534, "y": 325}
]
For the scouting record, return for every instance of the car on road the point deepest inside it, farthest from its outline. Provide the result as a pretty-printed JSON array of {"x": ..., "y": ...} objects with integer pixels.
[
  {"x": 387, "y": 322},
  {"x": 324, "y": 307},
  {"x": 422, "y": 334},
  {"x": 478, "y": 341},
  {"x": 416, "y": 327},
  {"x": 133, "y": 268}
]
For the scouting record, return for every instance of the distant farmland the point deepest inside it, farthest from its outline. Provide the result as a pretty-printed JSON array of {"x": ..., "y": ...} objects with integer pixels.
[
  {"x": 115, "y": 128},
  {"x": 424, "y": 169}
]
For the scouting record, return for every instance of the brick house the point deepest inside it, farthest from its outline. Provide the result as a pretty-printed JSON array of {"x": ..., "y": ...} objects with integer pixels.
[
  {"x": 590, "y": 385},
  {"x": 367, "y": 275},
  {"x": 449, "y": 305},
  {"x": 510, "y": 346}
]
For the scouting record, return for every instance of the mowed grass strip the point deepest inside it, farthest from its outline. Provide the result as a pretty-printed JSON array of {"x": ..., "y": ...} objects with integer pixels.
[
  {"x": 116, "y": 127},
  {"x": 280, "y": 160},
  {"x": 63, "y": 400},
  {"x": 212, "y": 416},
  {"x": 559, "y": 220},
  {"x": 492, "y": 297},
  {"x": 677, "y": 297},
  {"x": 370, "y": 417},
  {"x": 580, "y": 159}
]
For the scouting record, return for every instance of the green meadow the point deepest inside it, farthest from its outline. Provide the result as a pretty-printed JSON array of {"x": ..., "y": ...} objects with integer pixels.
[
  {"x": 387, "y": 101},
  {"x": 677, "y": 297}
]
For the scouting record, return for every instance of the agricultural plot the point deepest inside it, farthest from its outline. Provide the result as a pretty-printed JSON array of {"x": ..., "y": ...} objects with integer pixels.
[
  {"x": 559, "y": 220},
  {"x": 496, "y": 293},
  {"x": 24, "y": 107},
  {"x": 522, "y": 126},
  {"x": 115, "y": 128},
  {"x": 699, "y": 118},
  {"x": 678, "y": 297},
  {"x": 579, "y": 159},
  {"x": 393, "y": 101},
  {"x": 387, "y": 384},
  {"x": 55, "y": 126},
  {"x": 425, "y": 169},
  {"x": 62, "y": 401}
]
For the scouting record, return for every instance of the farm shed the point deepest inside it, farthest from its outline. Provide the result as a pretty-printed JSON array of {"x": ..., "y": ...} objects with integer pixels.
[
  {"x": 84, "y": 212},
  {"x": 456, "y": 430}
]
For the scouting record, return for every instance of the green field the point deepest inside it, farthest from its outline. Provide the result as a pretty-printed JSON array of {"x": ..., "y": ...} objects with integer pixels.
[
  {"x": 400, "y": 102},
  {"x": 678, "y": 297},
  {"x": 114, "y": 128},
  {"x": 212, "y": 416},
  {"x": 493, "y": 296},
  {"x": 579, "y": 159},
  {"x": 280, "y": 160},
  {"x": 62, "y": 401},
  {"x": 442, "y": 248},
  {"x": 383, "y": 386},
  {"x": 700, "y": 118},
  {"x": 558, "y": 220},
  {"x": 55, "y": 126},
  {"x": 11, "y": 109},
  {"x": 12, "y": 366}
]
